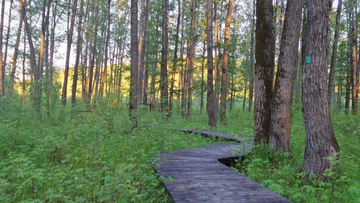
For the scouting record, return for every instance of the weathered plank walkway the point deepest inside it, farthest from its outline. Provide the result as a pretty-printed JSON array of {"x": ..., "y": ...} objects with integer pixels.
[{"x": 201, "y": 176}]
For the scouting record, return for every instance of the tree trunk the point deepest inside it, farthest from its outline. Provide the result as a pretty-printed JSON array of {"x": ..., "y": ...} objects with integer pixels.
[
  {"x": 164, "y": 58},
  {"x": 152, "y": 96},
  {"x": 175, "y": 59},
  {"x": 280, "y": 127},
  {"x": 23, "y": 63},
  {"x": 354, "y": 60},
  {"x": 15, "y": 56},
  {"x": 134, "y": 63},
  {"x": 202, "y": 80},
  {"x": 333, "y": 57},
  {"x": 34, "y": 67},
  {"x": 69, "y": 42},
  {"x": 78, "y": 52},
  {"x": 2, "y": 71},
  {"x": 245, "y": 94},
  {"x": 264, "y": 70},
  {"x": 106, "y": 50},
  {"x": 251, "y": 74},
  {"x": 7, "y": 41},
  {"x": 225, "y": 65},
  {"x": 320, "y": 139},
  {"x": 92, "y": 63},
  {"x": 211, "y": 109},
  {"x": 190, "y": 59}
]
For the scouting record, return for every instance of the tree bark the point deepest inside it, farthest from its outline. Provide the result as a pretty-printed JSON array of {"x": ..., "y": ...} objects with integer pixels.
[
  {"x": 320, "y": 139},
  {"x": 251, "y": 72},
  {"x": 280, "y": 127},
  {"x": 225, "y": 65},
  {"x": 190, "y": 59},
  {"x": 264, "y": 70},
  {"x": 211, "y": 108},
  {"x": 134, "y": 63},
  {"x": 164, "y": 58}
]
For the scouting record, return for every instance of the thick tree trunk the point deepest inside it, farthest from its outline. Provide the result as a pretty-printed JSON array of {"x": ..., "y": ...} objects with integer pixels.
[
  {"x": 175, "y": 59},
  {"x": 251, "y": 72},
  {"x": 320, "y": 139},
  {"x": 333, "y": 57},
  {"x": 225, "y": 65},
  {"x": 211, "y": 109},
  {"x": 280, "y": 127},
  {"x": 68, "y": 50},
  {"x": 15, "y": 56},
  {"x": 78, "y": 52},
  {"x": 264, "y": 70}
]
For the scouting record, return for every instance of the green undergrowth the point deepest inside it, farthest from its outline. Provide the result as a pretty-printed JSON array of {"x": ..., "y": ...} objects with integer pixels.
[
  {"x": 277, "y": 171},
  {"x": 84, "y": 156}
]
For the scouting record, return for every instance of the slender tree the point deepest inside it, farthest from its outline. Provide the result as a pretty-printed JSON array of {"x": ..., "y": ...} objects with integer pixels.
[
  {"x": 211, "y": 108},
  {"x": 225, "y": 64},
  {"x": 78, "y": 52},
  {"x": 334, "y": 52},
  {"x": 15, "y": 56},
  {"x": 251, "y": 71},
  {"x": 68, "y": 50},
  {"x": 280, "y": 127},
  {"x": 164, "y": 57},
  {"x": 134, "y": 62},
  {"x": 2, "y": 71},
  {"x": 175, "y": 58}
]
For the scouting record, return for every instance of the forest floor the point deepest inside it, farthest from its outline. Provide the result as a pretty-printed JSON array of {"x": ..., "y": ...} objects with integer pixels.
[{"x": 81, "y": 156}]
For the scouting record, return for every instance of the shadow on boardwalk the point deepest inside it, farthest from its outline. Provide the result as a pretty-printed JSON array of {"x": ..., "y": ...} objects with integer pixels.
[{"x": 200, "y": 174}]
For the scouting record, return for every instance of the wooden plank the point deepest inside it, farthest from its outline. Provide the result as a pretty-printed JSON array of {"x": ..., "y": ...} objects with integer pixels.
[{"x": 200, "y": 177}]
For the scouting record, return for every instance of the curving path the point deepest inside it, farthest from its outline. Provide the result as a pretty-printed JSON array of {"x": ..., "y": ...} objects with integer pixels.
[{"x": 200, "y": 174}]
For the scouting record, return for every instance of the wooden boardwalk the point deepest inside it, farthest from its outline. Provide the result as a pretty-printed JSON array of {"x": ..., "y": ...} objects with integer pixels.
[{"x": 200, "y": 174}]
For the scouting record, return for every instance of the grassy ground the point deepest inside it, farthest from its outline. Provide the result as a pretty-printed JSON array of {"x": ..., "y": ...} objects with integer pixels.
[
  {"x": 95, "y": 156},
  {"x": 83, "y": 156}
]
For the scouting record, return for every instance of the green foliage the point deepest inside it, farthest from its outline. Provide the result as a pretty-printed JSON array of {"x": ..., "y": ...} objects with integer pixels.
[{"x": 73, "y": 155}]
